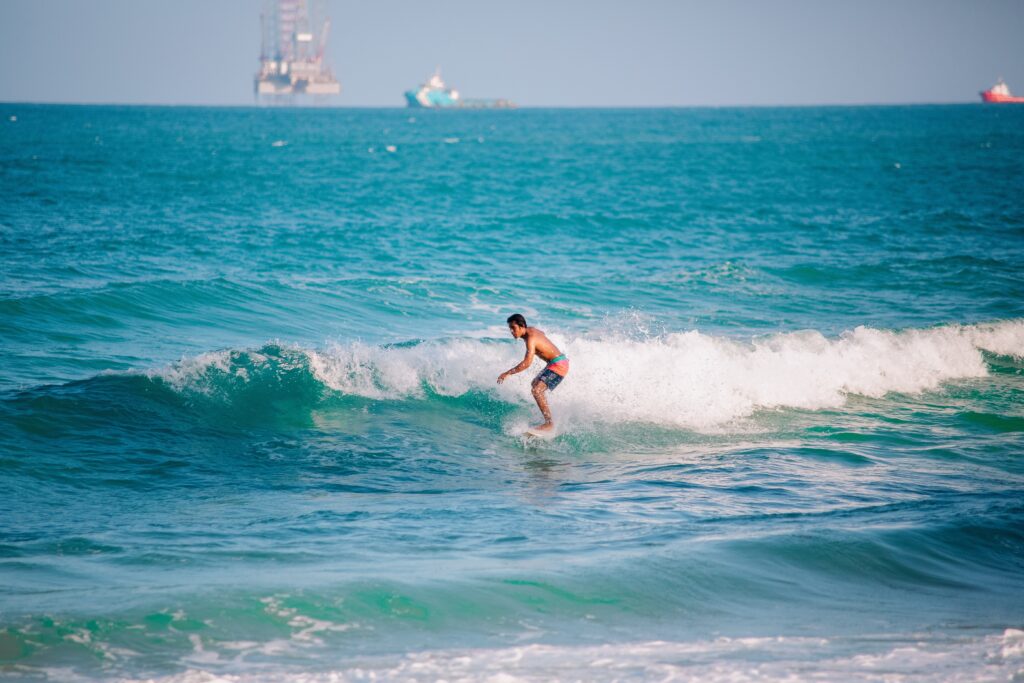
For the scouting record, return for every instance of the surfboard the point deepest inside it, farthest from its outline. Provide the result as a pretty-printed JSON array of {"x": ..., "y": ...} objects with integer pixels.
[{"x": 546, "y": 434}]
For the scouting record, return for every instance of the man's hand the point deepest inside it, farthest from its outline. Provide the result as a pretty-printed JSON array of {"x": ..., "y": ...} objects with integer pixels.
[{"x": 502, "y": 376}]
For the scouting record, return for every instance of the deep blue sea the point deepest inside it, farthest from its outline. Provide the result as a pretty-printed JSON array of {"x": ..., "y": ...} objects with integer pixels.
[{"x": 250, "y": 428}]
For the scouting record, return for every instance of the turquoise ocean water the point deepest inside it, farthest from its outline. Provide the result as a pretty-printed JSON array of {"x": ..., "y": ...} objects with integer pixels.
[{"x": 249, "y": 425}]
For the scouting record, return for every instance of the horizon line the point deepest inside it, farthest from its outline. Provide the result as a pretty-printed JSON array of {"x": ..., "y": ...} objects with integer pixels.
[{"x": 256, "y": 105}]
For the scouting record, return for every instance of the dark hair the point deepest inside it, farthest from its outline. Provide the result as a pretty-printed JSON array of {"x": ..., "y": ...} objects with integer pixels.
[{"x": 517, "y": 318}]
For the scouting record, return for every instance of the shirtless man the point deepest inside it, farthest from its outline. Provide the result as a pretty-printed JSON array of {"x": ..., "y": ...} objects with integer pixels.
[{"x": 552, "y": 374}]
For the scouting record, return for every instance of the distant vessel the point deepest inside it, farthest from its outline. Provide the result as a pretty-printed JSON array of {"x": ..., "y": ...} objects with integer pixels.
[
  {"x": 1000, "y": 93},
  {"x": 434, "y": 94},
  {"x": 292, "y": 52}
]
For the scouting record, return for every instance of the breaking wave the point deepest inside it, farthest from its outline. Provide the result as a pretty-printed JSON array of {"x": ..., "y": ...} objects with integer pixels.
[{"x": 684, "y": 380}]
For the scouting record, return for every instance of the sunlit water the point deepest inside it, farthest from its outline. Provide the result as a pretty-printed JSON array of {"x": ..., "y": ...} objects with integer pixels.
[{"x": 249, "y": 424}]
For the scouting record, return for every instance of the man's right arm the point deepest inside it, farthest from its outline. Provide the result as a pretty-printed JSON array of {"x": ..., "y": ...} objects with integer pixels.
[{"x": 524, "y": 364}]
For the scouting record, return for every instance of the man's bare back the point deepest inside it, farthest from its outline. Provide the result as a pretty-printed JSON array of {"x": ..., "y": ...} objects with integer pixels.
[{"x": 537, "y": 344}]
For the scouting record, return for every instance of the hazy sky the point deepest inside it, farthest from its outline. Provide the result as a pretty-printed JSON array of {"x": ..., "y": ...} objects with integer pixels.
[{"x": 535, "y": 52}]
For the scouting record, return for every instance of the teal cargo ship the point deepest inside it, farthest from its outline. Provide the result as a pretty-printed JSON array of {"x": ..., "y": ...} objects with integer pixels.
[{"x": 434, "y": 94}]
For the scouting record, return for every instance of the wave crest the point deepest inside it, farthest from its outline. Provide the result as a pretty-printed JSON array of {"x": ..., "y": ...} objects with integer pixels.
[{"x": 690, "y": 380}]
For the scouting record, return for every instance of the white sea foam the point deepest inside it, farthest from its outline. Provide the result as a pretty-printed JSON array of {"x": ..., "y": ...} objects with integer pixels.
[
  {"x": 692, "y": 380},
  {"x": 903, "y": 657}
]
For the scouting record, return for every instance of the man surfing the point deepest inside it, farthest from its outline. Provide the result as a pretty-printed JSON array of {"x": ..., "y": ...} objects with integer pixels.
[{"x": 553, "y": 373}]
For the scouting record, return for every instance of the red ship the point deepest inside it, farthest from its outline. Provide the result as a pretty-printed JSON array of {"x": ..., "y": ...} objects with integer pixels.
[{"x": 1000, "y": 93}]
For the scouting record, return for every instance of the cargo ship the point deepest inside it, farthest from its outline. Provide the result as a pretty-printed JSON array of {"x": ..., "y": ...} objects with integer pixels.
[
  {"x": 434, "y": 94},
  {"x": 1000, "y": 93}
]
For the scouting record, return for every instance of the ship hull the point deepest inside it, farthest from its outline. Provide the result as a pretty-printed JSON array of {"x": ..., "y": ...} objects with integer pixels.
[
  {"x": 996, "y": 98},
  {"x": 414, "y": 100},
  {"x": 425, "y": 98}
]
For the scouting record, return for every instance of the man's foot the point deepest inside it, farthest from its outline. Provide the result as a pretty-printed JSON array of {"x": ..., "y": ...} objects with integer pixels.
[{"x": 546, "y": 427}]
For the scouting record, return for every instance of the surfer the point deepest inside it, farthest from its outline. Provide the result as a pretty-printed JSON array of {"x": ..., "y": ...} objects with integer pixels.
[{"x": 553, "y": 373}]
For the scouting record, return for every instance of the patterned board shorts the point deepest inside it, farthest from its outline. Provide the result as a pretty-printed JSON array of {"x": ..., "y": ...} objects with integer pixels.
[{"x": 549, "y": 377}]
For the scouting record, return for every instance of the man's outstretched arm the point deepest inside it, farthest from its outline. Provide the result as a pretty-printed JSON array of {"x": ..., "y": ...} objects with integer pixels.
[{"x": 526, "y": 362}]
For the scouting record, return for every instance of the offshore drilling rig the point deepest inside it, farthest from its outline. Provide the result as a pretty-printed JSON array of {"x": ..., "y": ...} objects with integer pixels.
[{"x": 292, "y": 52}]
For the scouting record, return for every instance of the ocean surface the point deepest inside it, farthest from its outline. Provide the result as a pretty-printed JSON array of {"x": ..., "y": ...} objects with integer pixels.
[{"x": 250, "y": 429}]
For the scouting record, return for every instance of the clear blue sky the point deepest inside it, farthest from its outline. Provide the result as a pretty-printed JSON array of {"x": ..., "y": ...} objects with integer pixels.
[{"x": 536, "y": 52}]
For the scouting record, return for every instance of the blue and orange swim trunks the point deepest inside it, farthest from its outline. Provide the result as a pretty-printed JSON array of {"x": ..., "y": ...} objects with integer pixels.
[{"x": 554, "y": 372}]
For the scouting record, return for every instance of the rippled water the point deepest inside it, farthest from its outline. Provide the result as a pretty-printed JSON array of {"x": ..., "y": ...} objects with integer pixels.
[{"x": 249, "y": 425}]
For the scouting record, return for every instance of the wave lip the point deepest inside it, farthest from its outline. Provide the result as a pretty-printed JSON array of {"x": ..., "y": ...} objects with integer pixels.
[
  {"x": 688, "y": 380},
  {"x": 694, "y": 380}
]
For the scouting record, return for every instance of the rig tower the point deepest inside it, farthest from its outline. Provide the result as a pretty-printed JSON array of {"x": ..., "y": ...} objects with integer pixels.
[{"x": 292, "y": 52}]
